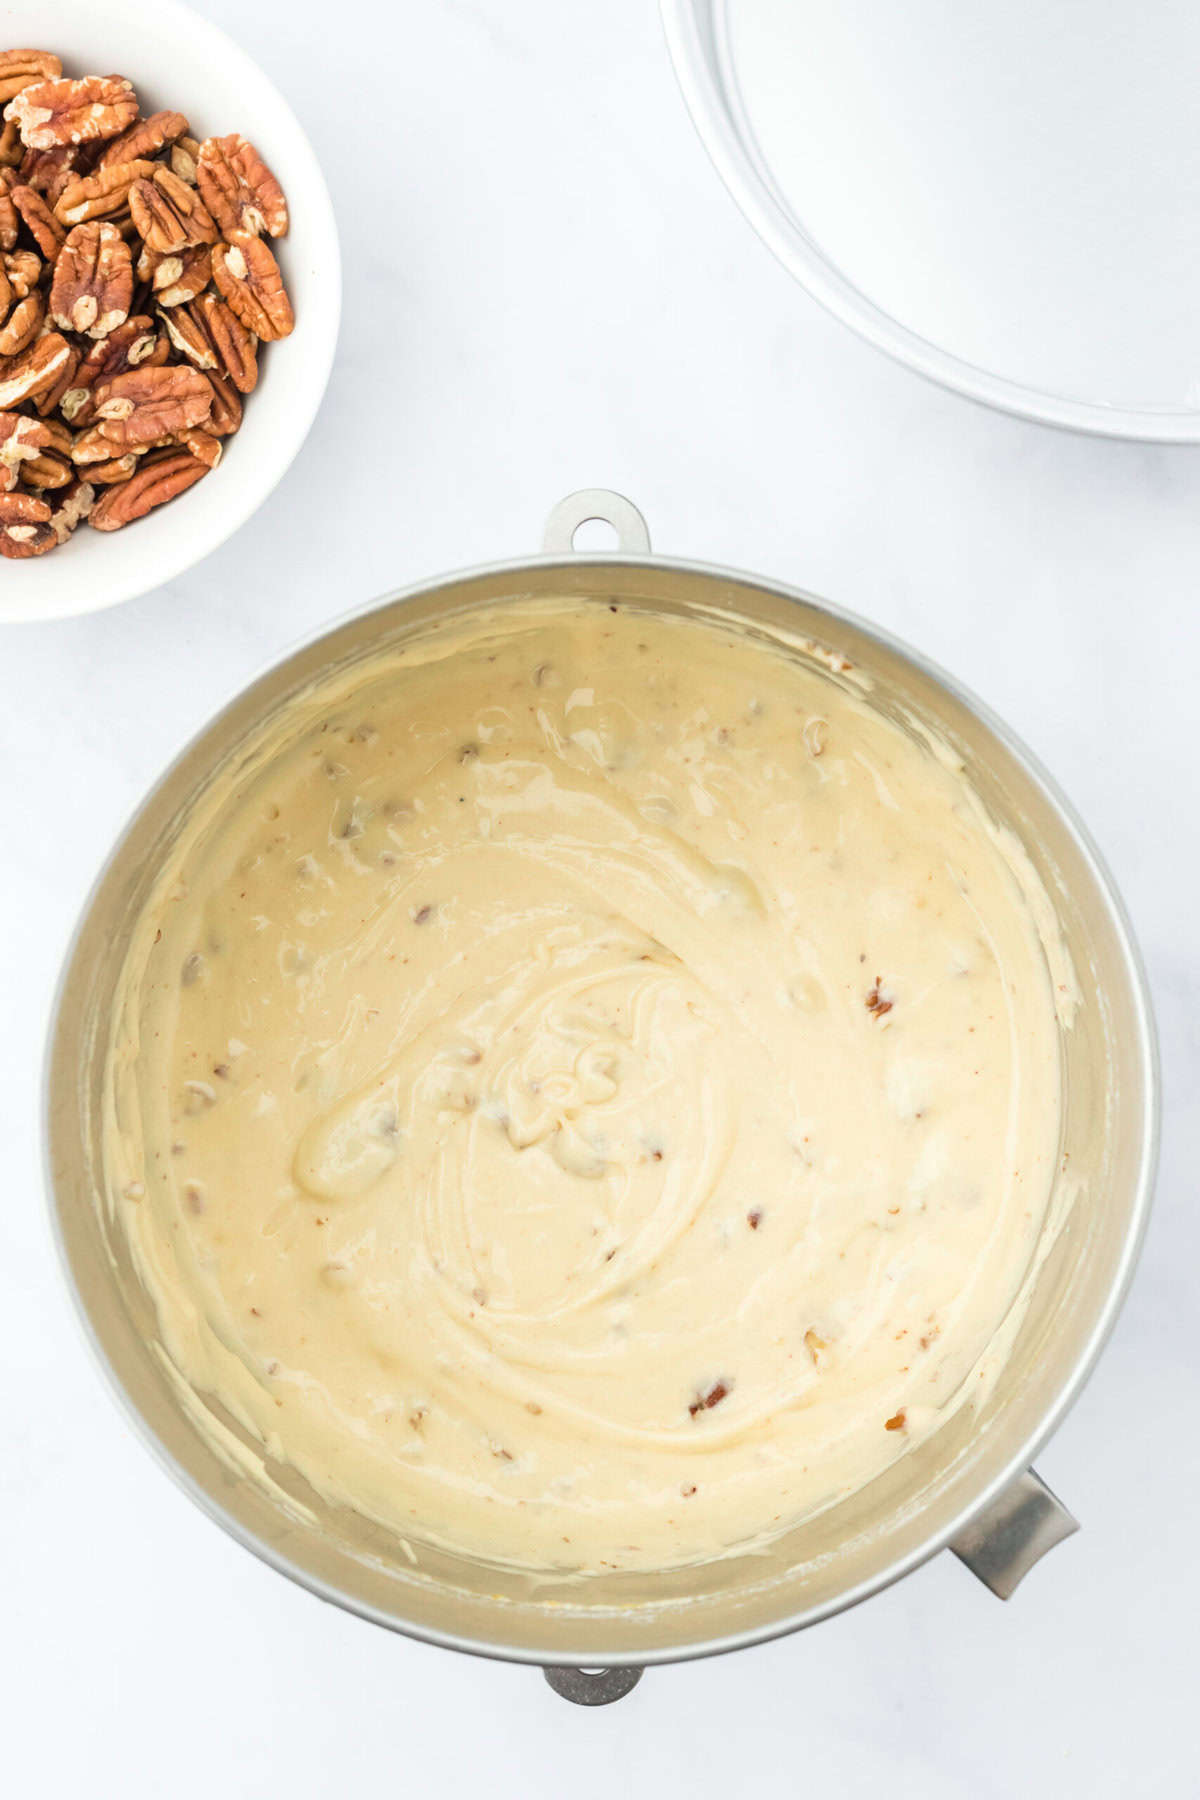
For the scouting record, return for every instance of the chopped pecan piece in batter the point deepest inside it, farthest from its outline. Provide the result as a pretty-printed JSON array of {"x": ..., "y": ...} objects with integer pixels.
[
  {"x": 704, "y": 1402},
  {"x": 878, "y": 1002}
]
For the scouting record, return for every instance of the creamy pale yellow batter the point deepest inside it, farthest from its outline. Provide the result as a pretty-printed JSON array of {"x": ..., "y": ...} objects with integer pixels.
[{"x": 586, "y": 1089}]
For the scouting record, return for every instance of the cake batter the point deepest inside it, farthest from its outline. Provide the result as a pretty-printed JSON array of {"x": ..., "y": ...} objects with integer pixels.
[{"x": 586, "y": 1090}]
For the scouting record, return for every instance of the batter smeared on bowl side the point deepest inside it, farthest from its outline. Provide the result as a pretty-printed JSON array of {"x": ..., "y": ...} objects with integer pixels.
[{"x": 586, "y": 1090}]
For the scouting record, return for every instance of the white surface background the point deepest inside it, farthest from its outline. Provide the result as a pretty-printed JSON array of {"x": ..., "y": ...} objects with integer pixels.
[{"x": 547, "y": 288}]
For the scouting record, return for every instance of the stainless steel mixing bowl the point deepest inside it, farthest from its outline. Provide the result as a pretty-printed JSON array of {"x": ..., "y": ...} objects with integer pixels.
[{"x": 969, "y": 1487}]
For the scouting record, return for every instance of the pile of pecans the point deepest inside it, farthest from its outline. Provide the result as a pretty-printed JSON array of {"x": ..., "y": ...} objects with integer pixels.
[{"x": 136, "y": 284}]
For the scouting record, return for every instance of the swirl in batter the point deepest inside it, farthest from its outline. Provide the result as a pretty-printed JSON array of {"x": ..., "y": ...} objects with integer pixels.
[{"x": 587, "y": 1089}]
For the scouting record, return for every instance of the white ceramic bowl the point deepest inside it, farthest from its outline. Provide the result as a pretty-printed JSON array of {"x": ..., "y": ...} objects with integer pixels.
[
  {"x": 1100, "y": 336},
  {"x": 177, "y": 59}
]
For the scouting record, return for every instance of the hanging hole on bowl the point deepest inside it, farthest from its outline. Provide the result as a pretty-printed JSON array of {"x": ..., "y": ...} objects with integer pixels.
[
  {"x": 595, "y": 534},
  {"x": 606, "y": 520}
]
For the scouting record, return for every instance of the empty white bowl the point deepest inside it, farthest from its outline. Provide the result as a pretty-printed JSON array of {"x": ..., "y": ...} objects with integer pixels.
[{"x": 187, "y": 64}]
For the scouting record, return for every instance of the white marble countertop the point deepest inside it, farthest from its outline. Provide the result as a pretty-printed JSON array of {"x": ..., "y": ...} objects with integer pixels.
[{"x": 547, "y": 288}]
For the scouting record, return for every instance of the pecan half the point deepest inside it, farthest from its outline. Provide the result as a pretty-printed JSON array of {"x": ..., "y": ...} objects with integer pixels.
[
  {"x": 48, "y": 172},
  {"x": 73, "y": 112},
  {"x": 22, "y": 324},
  {"x": 47, "y": 470},
  {"x": 235, "y": 347},
  {"x": 92, "y": 447},
  {"x": 158, "y": 354},
  {"x": 71, "y": 508},
  {"x": 51, "y": 398},
  {"x": 133, "y": 345},
  {"x": 247, "y": 276},
  {"x": 93, "y": 281},
  {"x": 101, "y": 195},
  {"x": 239, "y": 190},
  {"x": 37, "y": 368},
  {"x": 20, "y": 541},
  {"x": 158, "y": 480},
  {"x": 23, "y": 269},
  {"x": 56, "y": 436},
  {"x": 170, "y": 215},
  {"x": 144, "y": 404},
  {"x": 188, "y": 336},
  {"x": 45, "y": 229},
  {"x": 10, "y": 218},
  {"x": 180, "y": 278},
  {"x": 146, "y": 266},
  {"x": 22, "y": 68},
  {"x": 19, "y": 509},
  {"x": 119, "y": 468},
  {"x": 184, "y": 159},
  {"x": 24, "y": 526},
  {"x": 226, "y": 415},
  {"x": 203, "y": 446},
  {"x": 21, "y": 439},
  {"x": 145, "y": 137}
]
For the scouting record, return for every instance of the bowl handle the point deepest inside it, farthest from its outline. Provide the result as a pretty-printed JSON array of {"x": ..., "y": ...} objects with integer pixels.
[
  {"x": 633, "y": 534},
  {"x": 1000, "y": 1547},
  {"x": 1002, "y": 1544}
]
